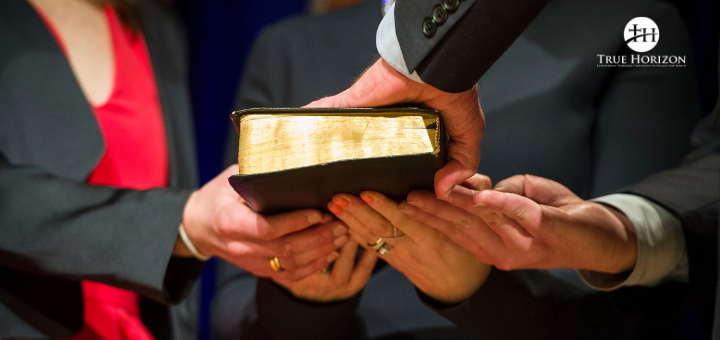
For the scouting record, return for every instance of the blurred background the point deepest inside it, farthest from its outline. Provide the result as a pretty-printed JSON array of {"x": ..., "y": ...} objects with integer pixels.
[{"x": 221, "y": 33}]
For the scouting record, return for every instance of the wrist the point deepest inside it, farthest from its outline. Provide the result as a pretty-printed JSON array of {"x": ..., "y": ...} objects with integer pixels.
[
  {"x": 189, "y": 240},
  {"x": 624, "y": 252}
]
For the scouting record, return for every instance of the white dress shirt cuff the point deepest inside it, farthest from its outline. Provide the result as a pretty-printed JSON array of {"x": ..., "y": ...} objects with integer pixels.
[
  {"x": 389, "y": 47},
  {"x": 660, "y": 243}
]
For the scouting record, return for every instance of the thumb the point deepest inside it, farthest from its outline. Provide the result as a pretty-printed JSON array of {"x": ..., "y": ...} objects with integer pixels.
[
  {"x": 450, "y": 175},
  {"x": 539, "y": 189}
]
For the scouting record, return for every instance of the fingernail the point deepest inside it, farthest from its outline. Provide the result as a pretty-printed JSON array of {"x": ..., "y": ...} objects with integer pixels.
[
  {"x": 340, "y": 241},
  {"x": 339, "y": 230},
  {"x": 335, "y": 210},
  {"x": 415, "y": 203},
  {"x": 342, "y": 202},
  {"x": 326, "y": 218},
  {"x": 447, "y": 195},
  {"x": 367, "y": 199},
  {"x": 480, "y": 204},
  {"x": 314, "y": 218},
  {"x": 334, "y": 255}
]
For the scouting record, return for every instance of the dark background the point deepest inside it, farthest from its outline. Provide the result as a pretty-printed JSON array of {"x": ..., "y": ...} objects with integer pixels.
[{"x": 221, "y": 33}]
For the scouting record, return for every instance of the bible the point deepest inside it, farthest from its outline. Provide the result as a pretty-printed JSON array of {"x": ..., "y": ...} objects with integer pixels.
[{"x": 298, "y": 158}]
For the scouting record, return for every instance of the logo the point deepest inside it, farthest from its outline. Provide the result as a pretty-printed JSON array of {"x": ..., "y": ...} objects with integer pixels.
[{"x": 641, "y": 34}]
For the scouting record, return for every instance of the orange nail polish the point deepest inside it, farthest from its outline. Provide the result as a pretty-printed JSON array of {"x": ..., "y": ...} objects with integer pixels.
[
  {"x": 336, "y": 210},
  {"x": 367, "y": 199},
  {"x": 342, "y": 202}
]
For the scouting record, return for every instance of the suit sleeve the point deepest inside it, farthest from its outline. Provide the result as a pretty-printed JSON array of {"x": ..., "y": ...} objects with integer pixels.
[
  {"x": 59, "y": 227},
  {"x": 247, "y": 307},
  {"x": 692, "y": 193},
  {"x": 533, "y": 304},
  {"x": 451, "y": 45}
]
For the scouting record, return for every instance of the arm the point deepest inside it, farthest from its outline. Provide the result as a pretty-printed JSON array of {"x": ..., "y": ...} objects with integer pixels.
[
  {"x": 59, "y": 227},
  {"x": 533, "y": 304}
]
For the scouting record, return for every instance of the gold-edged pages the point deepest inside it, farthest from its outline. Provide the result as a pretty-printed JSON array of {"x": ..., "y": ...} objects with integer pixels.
[{"x": 272, "y": 142}]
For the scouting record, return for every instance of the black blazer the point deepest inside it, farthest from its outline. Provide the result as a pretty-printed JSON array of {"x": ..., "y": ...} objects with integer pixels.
[
  {"x": 54, "y": 228},
  {"x": 550, "y": 112}
]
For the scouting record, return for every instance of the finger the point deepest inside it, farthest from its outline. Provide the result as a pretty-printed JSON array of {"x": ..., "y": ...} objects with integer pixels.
[
  {"x": 390, "y": 211},
  {"x": 514, "y": 184},
  {"x": 301, "y": 273},
  {"x": 305, "y": 258},
  {"x": 471, "y": 242},
  {"x": 478, "y": 182},
  {"x": 363, "y": 269},
  {"x": 323, "y": 240},
  {"x": 239, "y": 222},
  {"x": 358, "y": 215},
  {"x": 521, "y": 209},
  {"x": 450, "y": 175},
  {"x": 462, "y": 224},
  {"x": 343, "y": 267}
]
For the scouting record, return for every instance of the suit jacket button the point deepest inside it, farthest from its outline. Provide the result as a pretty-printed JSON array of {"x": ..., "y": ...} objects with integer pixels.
[
  {"x": 429, "y": 27},
  {"x": 451, "y": 5},
  {"x": 439, "y": 14}
]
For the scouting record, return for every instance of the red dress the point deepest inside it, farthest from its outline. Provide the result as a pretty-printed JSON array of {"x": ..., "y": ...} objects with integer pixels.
[{"x": 135, "y": 157}]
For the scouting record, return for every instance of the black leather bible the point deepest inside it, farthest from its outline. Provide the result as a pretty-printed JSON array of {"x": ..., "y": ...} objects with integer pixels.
[{"x": 297, "y": 158}]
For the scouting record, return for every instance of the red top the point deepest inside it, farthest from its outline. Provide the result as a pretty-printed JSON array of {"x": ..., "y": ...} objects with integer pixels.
[{"x": 135, "y": 157}]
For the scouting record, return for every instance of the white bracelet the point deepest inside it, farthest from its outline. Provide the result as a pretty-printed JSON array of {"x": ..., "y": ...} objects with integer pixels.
[{"x": 190, "y": 246}]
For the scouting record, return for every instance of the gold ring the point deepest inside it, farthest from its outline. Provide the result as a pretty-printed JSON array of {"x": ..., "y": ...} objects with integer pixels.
[{"x": 275, "y": 264}]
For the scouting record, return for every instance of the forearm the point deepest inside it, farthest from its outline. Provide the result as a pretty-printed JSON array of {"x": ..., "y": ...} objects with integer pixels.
[
  {"x": 59, "y": 227},
  {"x": 532, "y": 304}
]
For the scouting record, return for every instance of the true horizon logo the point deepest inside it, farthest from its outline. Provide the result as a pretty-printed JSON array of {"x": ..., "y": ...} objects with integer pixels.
[{"x": 641, "y": 34}]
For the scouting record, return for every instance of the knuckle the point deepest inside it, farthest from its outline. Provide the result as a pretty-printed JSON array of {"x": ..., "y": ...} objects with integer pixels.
[
  {"x": 463, "y": 224},
  {"x": 519, "y": 213},
  {"x": 223, "y": 223},
  {"x": 288, "y": 252}
]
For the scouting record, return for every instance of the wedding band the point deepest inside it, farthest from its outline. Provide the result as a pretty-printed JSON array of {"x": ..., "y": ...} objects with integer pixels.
[{"x": 275, "y": 264}]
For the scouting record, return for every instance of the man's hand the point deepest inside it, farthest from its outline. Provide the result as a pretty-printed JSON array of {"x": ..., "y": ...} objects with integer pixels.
[
  {"x": 382, "y": 85},
  {"x": 219, "y": 223},
  {"x": 532, "y": 222}
]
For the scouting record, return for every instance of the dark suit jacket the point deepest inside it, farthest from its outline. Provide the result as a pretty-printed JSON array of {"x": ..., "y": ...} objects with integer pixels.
[
  {"x": 57, "y": 230},
  {"x": 550, "y": 112}
]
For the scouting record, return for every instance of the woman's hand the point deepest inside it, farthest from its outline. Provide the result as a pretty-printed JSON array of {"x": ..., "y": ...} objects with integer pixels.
[
  {"x": 435, "y": 264},
  {"x": 345, "y": 279}
]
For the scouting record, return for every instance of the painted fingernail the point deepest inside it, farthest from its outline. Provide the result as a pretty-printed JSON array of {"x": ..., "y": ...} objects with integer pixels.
[
  {"x": 340, "y": 241},
  {"x": 342, "y": 202},
  {"x": 335, "y": 210},
  {"x": 339, "y": 230},
  {"x": 314, "y": 217},
  {"x": 334, "y": 255},
  {"x": 367, "y": 199}
]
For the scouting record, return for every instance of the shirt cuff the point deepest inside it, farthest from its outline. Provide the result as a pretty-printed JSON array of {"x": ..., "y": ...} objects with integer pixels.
[
  {"x": 389, "y": 47},
  {"x": 660, "y": 243}
]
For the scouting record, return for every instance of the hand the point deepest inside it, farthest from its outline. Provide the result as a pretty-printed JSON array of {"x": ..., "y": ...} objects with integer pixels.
[
  {"x": 344, "y": 280},
  {"x": 219, "y": 223},
  {"x": 382, "y": 85},
  {"x": 436, "y": 265},
  {"x": 548, "y": 228}
]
